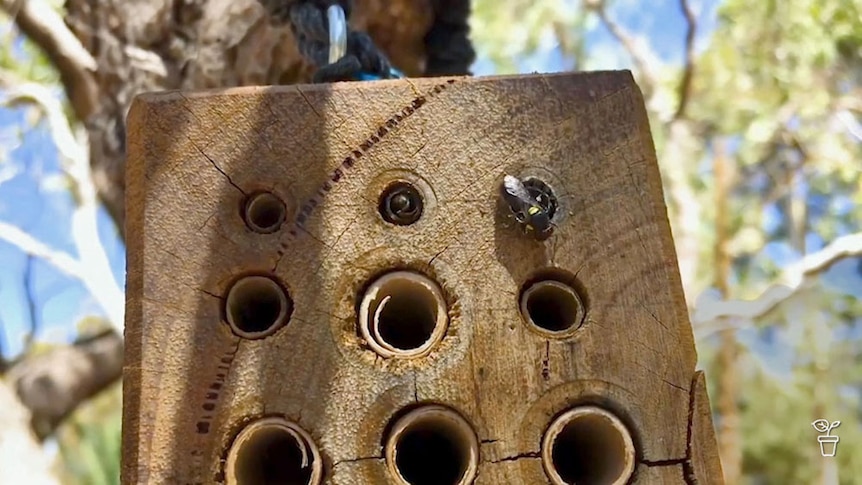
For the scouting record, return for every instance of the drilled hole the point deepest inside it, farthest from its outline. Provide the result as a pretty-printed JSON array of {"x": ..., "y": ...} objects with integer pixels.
[
  {"x": 264, "y": 212},
  {"x": 588, "y": 446},
  {"x": 401, "y": 204},
  {"x": 273, "y": 451},
  {"x": 403, "y": 314},
  {"x": 256, "y": 306},
  {"x": 432, "y": 445},
  {"x": 552, "y": 307}
]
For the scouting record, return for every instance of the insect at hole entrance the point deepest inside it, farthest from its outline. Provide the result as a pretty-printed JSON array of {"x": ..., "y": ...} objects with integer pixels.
[
  {"x": 532, "y": 203},
  {"x": 544, "y": 195}
]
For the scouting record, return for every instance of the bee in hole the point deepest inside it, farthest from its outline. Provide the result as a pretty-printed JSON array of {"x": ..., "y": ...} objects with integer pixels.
[{"x": 533, "y": 208}]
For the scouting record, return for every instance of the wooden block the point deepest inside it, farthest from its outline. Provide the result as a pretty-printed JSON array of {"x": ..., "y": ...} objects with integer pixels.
[{"x": 327, "y": 152}]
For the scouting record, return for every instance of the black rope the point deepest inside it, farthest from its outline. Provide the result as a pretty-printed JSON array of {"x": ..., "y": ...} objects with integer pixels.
[{"x": 448, "y": 47}]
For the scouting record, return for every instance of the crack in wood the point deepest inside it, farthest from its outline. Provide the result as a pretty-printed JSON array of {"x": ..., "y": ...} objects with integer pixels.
[
  {"x": 357, "y": 460},
  {"x": 520, "y": 456},
  {"x": 215, "y": 165},
  {"x": 687, "y": 468}
]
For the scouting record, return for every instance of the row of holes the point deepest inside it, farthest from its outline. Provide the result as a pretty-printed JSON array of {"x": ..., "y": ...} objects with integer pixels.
[
  {"x": 400, "y": 203},
  {"x": 435, "y": 445},
  {"x": 401, "y": 313}
]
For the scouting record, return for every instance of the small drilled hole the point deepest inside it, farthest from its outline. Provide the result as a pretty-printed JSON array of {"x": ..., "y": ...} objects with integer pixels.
[
  {"x": 273, "y": 451},
  {"x": 589, "y": 446},
  {"x": 552, "y": 306},
  {"x": 401, "y": 204},
  {"x": 432, "y": 445},
  {"x": 264, "y": 212},
  {"x": 403, "y": 314},
  {"x": 256, "y": 306}
]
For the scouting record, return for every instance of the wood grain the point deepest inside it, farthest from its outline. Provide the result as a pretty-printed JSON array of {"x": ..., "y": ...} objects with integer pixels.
[{"x": 190, "y": 384}]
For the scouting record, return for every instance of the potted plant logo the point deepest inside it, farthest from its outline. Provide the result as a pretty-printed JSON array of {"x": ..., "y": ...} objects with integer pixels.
[{"x": 828, "y": 443}]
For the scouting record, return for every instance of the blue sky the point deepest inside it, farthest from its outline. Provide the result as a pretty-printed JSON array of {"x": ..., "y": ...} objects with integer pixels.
[
  {"x": 29, "y": 201},
  {"x": 31, "y": 198}
]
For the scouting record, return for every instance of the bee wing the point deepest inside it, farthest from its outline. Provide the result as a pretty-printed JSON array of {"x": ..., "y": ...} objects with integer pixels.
[{"x": 514, "y": 190}]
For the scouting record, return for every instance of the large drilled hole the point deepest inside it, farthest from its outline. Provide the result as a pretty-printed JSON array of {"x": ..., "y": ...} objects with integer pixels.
[
  {"x": 256, "y": 306},
  {"x": 552, "y": 307},
  {"x": 432, "y": 445},
  {"x": 403, "y": 314},
  {"x": 273, "y": 451},
  {"x": 401, "y": 203},
  {"x": 264, "y": 212},
  {"x": 588, "y": 446}
]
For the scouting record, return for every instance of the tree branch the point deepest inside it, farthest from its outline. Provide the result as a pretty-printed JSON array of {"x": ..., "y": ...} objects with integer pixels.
[
  {"x": 46, "y": 28},
  {"x": 53, "y": 384},
  {"x": 629, "y": 43},
  {"x": 92, "y": 267},
  {"x": 688, "y": 70},
  {"x": 32, "y": 246},
  {"x": 793, "y": 280},
  {"x": 27, "y": 283}
]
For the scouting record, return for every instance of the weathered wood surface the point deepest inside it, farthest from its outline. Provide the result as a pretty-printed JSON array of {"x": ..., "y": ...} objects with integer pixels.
[{"x": 190, "y": 383}]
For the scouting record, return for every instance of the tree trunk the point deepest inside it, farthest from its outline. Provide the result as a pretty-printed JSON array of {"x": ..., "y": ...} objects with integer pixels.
[{"x": 729, "y": 437}]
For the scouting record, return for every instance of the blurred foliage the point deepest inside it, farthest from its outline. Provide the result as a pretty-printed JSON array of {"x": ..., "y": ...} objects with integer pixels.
[
  {"x": 89, "y": 441},
  {"x": 509, "y": 33},
  {"x": 19, "y": 55},
  {"x": 780, "y": 83}
]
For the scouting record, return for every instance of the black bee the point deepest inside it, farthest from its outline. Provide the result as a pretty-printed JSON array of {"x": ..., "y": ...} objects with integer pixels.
[{"x": 532, "y": 210}]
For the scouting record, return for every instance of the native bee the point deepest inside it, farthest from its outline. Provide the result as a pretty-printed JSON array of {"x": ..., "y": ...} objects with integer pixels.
[{"x": 532, "y": 207}]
